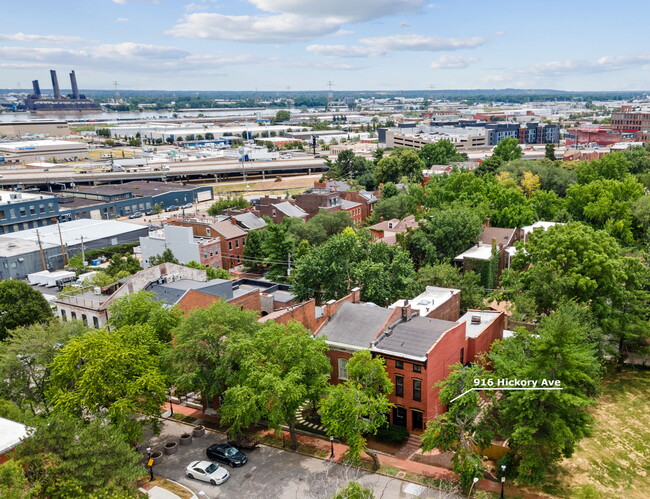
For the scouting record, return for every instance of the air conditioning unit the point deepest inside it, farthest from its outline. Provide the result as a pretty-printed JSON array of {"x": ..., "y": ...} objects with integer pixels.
[
  {"x": 476, "y": 319},
  {"x": 97, "y": 290}
]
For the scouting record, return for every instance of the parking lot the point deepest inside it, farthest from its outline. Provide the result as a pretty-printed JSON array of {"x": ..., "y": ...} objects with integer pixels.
[{"x": 274, "y": 473}]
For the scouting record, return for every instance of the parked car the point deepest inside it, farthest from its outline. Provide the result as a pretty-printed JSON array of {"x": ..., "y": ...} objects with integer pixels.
[
  {"x": 148, "y": 213},
  {"x": 188, "y": 205},
  {"x": 207, "y": 472},
  {"x": 227, "y": 454},
  {"x": 136, "y": 214},
  {"x": 172, "y": 208}
]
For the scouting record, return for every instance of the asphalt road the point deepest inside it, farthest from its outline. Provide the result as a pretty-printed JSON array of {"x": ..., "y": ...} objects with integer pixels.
[{"x": 273, "y": 473}]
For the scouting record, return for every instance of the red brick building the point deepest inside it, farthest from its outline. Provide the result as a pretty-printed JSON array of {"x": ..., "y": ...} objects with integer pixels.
[{"x": 277, "y": 209}]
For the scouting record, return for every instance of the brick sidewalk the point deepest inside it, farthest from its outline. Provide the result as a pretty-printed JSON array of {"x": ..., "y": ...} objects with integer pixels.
[{"x": 401, "y": 464}]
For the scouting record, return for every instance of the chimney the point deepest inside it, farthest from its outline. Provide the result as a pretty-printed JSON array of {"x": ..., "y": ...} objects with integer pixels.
[
  {"x": 55, "y": 84},
  {"x": 233, "y": 220},
  {"x": 73, "y": 84},
  {"x": 381, "y": 219},
  {"x": 37, "y": 88},
  {"x": 356, "y": 294},
  {"x": 487, "y": 222},
  {"x": 406, "y": 310}
]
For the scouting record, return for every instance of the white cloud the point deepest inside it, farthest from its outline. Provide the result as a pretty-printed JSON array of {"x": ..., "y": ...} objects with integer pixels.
[
  {"x": 404, "y": 25},
  {"x": 288, "y": 20},
  {"x": 453, "y": 62},
  {"x": 343, "y": 51},
  {"x": 22, "y": 37},
  {"x": 122, "y": 20},
  {"x": 421, "y": 42}
]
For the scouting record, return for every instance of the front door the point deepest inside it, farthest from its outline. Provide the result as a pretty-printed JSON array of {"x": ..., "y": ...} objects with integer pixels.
[
  {"x": 399, "y": 416},
  {"x": 418, "y": 420}
]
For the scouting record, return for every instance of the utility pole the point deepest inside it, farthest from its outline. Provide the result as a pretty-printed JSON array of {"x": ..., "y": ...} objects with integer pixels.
[
  {"x": 289, "y": 269},
  {"x": 83, "y": 253},
  {"x": 65, "y": 259},
  {"x": 40, "y": 246}
]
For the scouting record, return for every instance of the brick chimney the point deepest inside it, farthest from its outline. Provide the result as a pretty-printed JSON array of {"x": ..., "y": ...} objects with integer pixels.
[
  {"x": 233, "y": 220},
  {"x": 406, "y": 310},
  {"x": 356, "y": 294}
]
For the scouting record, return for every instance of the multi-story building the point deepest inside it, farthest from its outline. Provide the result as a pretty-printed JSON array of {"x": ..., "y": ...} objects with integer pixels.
[
  {"x": 183, "y": 244},
  {"x": 277, "y": 209},
  {"x": 319, "y": 199},
  {"x": 627, "y": 120},
  {"x": 24, "y": 210}
]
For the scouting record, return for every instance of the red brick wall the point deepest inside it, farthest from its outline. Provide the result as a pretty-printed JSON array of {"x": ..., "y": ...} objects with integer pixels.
[
  {"x": 407, "y": 400},
  {"x": 447, "y": 311},
  {"x": 249, "y": 301},
  {"x": 483, "y": 341},
  {"x": 195, "y": 299},
  {"x": 215, "y": 259},
  {"x": 334, "y": 355},
  {"x": 304, "y": 312}
]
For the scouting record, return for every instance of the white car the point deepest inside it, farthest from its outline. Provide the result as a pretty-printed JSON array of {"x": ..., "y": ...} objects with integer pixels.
[{"x": 207, "y": 472}]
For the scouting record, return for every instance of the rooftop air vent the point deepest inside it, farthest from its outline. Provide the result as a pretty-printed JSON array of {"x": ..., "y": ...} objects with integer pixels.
[{"x": 476, "y": 319}]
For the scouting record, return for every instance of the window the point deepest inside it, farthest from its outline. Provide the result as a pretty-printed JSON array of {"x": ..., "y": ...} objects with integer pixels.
[
  {"x": 417, "y": 390},
  {"x": 23, "y": 212},
  {"x": 41, "y": 208},
  {"x": 399, "y": 386},
  {"x": 417, "y": 368},
  {"x": 236, "y": 243},
  {"x": 462, "y": 355},
  {"x": 207, "y": 231},
  {"x": 50, "y": 206},
  {"x": 63, "y": 317},
  {"x": 399, "y": 416},
  {"x": 3, "y": 216},
  {"x": 229, "y": 245},
  {"x": 399, "y": 364},
  {"x": 343, "y": 368},
  {"x": 32, "y": 210},
  {"x": 417, "y": 418},
  {"x": 73, "y": 315},
  {"x": 95, "y": 322},
  {"x": 84, "y": 318}
]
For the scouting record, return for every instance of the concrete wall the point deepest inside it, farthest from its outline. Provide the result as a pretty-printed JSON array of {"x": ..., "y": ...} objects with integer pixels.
[{"x": 180, "y": 240}]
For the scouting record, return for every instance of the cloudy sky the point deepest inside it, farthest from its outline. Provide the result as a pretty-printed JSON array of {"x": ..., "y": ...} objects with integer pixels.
[{"x": 303, "y": 44}]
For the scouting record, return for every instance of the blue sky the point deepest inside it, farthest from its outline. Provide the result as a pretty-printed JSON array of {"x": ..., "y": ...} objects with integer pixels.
[{"x": 303, "y": 44}]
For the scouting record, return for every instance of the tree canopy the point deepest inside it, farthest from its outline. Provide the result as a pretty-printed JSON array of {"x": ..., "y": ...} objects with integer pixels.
[{"x": 21, "y": 305}]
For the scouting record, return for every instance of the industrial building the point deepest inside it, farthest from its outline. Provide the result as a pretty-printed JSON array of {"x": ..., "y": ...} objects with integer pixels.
[
  {"x": 24, "y": 210},
  {"x": 183, "y": 244},
  {"x": 50, "y": 128},
  {"x": 43, "y": 248},
  {"x": 44, "y": 150},
  {"x": 58, "y": 102}
]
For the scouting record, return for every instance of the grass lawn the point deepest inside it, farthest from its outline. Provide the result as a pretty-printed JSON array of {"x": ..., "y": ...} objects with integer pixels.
[{"x": 615, "y": 461}]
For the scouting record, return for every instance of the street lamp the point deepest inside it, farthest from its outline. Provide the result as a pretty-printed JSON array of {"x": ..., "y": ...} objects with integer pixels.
[
  {"x": 332, "y": 446},
  {"x": 503, "y": 478},
  {"x": 474, "y": 480},
  {"x": 150, "y": 464}
]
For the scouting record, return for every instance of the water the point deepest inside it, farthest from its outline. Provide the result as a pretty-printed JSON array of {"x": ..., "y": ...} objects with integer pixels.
[{"x": 131, "y": 115}]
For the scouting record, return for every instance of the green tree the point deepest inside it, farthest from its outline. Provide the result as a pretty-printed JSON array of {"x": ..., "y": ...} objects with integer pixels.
[
  {"x": 358, "y": 406},
  {"x": 218, "y": 207},
  {"x": 452, "y": 231},
  {"x": 65, "y": 457},
  {"x": 25, "y": 358},
  {"x": 321, "y": 227},
  {"x": 445, "y": 275},
  {"x": 141, "y": 308},
  {"x": 281, "y": 116},
  {"x": 549, "y": 151},
  {"x": 389, "y": 208},
  {"x": 197, "y": 363},
  {"x": 441, "y": 152},
  {"x": 111, "y": 375},
  {"x": 389, "y": 190},
  {"x": 489, "y": 165},
  {"x": 123, "y": 264},
  {"x": 167, "y": 256},
  {"x": 612, "y": 166},
  {"x": 21, "y": 305},
  {"x": 212, "y": 272},
  {"x": 508, "y": 149},
  {"x": 354, "y": 490},
  {"x": 348, "y": 165},
  {"x": 465, "y": 427},
  {"x": 280, "y": 367},
  {"x": 277, "y": 246},
  {"x": 544, "y": 426},
  {"x": 13, "y": 483},
  {"x": 254, "y": 250}
]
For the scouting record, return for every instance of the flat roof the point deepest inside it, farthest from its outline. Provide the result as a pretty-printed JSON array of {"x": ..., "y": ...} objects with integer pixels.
[
  {"x": 138, "y": 188},
  {"x": 72, "y": 232},
  {"x": 412, "y": 338},
  {"x": 474, "y": 330},
  {"x": 429, "y": 300},
  {"x": 7, "y": 196},
  {"x": 11, "y": 246},
  {"x": 11, "y": 434},
  {"x": 482, "y": 252},
  {"x": 23, "y": 145}
]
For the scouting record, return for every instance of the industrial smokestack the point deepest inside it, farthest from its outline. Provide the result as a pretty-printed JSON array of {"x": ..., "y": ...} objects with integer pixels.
[
  {"x": 36, "y": 87},
  {"x": 75, "y": 88},
  {"x": 55, "y": 84}
]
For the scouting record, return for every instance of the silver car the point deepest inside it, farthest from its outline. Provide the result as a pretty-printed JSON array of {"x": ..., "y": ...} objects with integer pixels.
[{"x": 207, "y": 472}]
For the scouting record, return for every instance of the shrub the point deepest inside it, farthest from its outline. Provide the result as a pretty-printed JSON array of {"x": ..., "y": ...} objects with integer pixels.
[{"x": 393, "y": 433}]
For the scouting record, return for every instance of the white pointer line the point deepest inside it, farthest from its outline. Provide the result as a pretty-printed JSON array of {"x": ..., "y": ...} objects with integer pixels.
[{"x": 503, "y": 388}]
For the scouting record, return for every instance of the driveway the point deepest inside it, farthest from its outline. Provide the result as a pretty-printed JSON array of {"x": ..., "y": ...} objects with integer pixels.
[{"x": 274, "y": 473}]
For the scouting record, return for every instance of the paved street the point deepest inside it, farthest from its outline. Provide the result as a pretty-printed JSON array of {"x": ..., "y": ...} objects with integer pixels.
[{"x": 273, "y": 473}]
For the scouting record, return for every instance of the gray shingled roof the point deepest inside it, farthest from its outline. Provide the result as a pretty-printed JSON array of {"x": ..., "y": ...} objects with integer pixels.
[
  {"x": 291, "y": 210},
  {"x": 250, "y": 221},
  {"x": 356, "y": 324},
  {"x": 413, "y": 338}
]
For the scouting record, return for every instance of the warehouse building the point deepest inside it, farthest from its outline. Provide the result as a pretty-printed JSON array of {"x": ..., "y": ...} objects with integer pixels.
[
  {"x": 44, "y": 150},
  {"x": 33, "y": 250},
  {"x": 51, "y": 128},
  {"x": 25, "y": 210}
]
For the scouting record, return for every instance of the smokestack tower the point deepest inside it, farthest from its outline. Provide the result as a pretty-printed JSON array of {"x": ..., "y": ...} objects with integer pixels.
[
  {"x": 36, "y": 87},
  {"x": 55, "y": 84},
  {"x": 73, "y": 82}
]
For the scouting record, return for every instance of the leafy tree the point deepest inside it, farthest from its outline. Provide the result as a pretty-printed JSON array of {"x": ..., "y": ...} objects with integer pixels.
[
  {"x": 212, "y": 272},
  {"x": 13, "y": 483},
  {"x": 612, "y": 166},
  {"x": 281, "y": 116},
  {"x": 641, "y": 214},
  {"x": 465, "y": 427},
  {"x": 549, "y": 206},
  {"x": 109, "y": 374},
  {"x": 25, "y": 358},
  {"x": 223, "y": 204},
  {"x": 489, "y": 165},
  {"x": 66, "y": 457},
  {"x": 358, "y": 406},
  {"x": 348, "y": 165},
  {"x": 389, "y": 190},
  {"x": 321, "y": 227},
  {"x": 21, "y": 305},
  {"x": 123, "y": 264},
  {"x": 549, "y": 151},
  {"x": 441, "y": 152},
  {"x": 354, "y": 490},
  {"x": 638, "y": 160},
  {"x": 452, "y": 231},
  {"x": 167, "y": 256},
  {"x": 508, "y": 149},
  {"x": 254, "y": 249},
  {"x": 277, "y": 246},
  {"x": 348, "y": 260},
  {"x": 530, "y": 183},
  {"x": 402, "y": 162},
  {"x": 141, "y": 308},
  {"x": 389, "y": 208},
  {"x": 197, "y": 363},
  {"x": 388, "y": 169},
  {"x": 280, "y": 366},
  {"x": 544, "y": 426},
  {"x": 445, "y": 275}
]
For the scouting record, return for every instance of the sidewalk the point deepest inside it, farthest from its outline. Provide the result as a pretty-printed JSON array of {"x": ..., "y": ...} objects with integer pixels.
[{"x": 401, "y": 464}]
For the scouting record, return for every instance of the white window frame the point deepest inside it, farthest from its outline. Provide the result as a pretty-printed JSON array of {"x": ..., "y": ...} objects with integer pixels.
[{"x": 343, "y": 368}]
